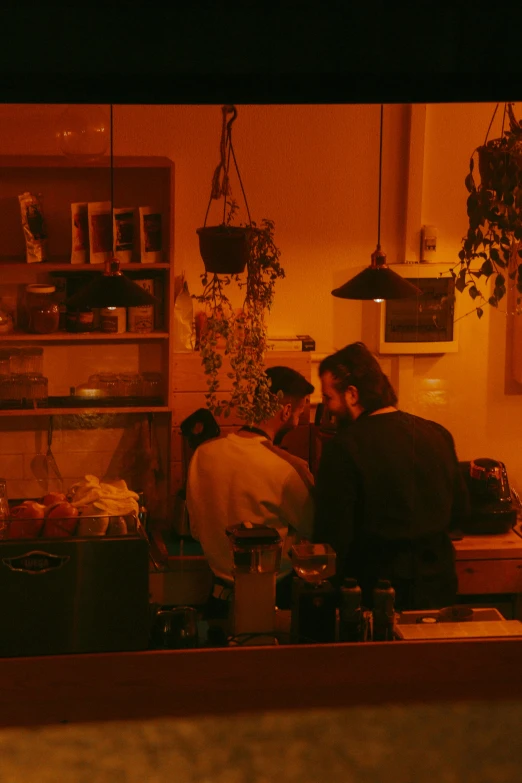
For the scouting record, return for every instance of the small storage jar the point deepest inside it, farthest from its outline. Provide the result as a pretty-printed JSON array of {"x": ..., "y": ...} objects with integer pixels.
[{"x": 43, "y": 310}]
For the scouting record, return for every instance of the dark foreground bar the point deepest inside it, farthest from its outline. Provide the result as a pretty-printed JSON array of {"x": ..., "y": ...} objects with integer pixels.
[{"x": 140, "y": 685}]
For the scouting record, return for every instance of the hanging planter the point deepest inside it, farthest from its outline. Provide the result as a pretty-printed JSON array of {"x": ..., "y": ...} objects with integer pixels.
[
  {"x": 239, "y": 334},
  {"x": 496, "y": 163},
  {"x": 492, "y": 246},
  {"x": 224, "y": 248}
]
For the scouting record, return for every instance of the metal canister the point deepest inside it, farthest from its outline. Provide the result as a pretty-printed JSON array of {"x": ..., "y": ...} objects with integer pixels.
[
  {"x": 141, "y": 319},
  {"x": 113, "y": 319}
]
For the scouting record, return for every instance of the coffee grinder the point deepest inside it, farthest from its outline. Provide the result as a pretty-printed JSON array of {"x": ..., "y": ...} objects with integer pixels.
[
  {"x": 256, "y": 551},
  {"x": 314, "y": 599}
]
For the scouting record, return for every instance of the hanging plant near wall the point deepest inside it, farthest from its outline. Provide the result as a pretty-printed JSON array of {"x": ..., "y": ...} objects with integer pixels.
[
  {"x": 238, "y": 334},
  {"x": 492, "y": 246}
]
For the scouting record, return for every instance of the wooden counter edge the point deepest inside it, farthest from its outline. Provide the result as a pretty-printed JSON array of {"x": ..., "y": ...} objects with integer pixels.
[{"x": 144, "y": 685}]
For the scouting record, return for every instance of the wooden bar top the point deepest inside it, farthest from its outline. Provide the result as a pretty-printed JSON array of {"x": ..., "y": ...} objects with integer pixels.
[
  {"x": 139, "y": 685},
  {"x": 506, "y": 546}
]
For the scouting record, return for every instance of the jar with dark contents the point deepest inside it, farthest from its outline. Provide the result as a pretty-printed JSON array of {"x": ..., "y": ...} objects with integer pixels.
[
  {"x": 80, "y": 320},
  {"x": 42, "y": 308}
]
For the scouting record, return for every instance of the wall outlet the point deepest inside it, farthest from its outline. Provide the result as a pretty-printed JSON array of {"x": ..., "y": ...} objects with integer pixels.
[{"x": 428, "y": 243}]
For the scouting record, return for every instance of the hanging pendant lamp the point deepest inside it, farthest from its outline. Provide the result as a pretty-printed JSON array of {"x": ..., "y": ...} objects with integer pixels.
[
  {"x": 378, "y": 281},
  {"x": 112, "y": 288}
]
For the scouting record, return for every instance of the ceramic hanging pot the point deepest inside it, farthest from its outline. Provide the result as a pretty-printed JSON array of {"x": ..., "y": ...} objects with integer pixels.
[
  {"x": 496, "y": 164},
  {"x": 224, "y": 249}
]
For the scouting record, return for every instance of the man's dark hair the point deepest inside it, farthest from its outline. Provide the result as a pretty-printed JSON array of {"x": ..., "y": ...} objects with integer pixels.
[
  {"x": 354, "y": 365},
  {"x": 290, "y": 382}
]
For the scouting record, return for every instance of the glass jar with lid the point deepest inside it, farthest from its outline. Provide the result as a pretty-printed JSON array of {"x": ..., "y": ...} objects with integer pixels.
[
  {"x": 5, "y": 363},
  {"x": 35, "y": 389},
  {"x": 129, "y": 384},
  {"x": 152, "y": 384},
  {"x": 15, "y": 360},
  {"x": 31, "y": 360},
  {"x": 42, "y": 308},
  {"x": 108, "y": 382},
  {"x": 80, "y": 321},
  {"x": 6, "y": 321}
]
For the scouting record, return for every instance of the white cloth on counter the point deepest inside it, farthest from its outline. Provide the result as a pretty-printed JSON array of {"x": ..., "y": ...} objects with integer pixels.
[
  {"x": 246, "y": 479},
  {"x": 113, "y": 498}
]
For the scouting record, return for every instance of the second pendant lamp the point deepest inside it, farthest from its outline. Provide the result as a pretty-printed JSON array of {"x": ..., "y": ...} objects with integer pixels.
[{"x": 377, "y": 281}]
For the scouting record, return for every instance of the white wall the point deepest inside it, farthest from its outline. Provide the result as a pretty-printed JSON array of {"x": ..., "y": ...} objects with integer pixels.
[{"x": 313, "y": 169}]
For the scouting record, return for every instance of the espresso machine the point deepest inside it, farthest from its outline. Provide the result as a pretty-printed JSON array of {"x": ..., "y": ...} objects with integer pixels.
[
  {"x": 256, "y": 552},
  {"x": 314, "y": 599},
  {"x": 492, "y": 502}
]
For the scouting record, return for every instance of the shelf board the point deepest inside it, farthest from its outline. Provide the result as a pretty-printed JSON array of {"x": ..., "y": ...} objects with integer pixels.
[
  {"x": 102, "y": 162},
  {"x": 66, "y": 266},
  {"x": 79, "y": 411},
  {"x": 87, "y": 337}
]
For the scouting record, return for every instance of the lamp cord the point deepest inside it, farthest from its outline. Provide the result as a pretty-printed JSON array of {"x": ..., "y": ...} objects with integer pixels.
[
  {"x": 380, "y": 183},
  {"x": 112, "y": 176}
]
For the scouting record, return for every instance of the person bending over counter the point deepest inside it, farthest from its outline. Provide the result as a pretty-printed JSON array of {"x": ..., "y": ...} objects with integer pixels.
[
  {"x": 388, "y": 487},
  {"x": 244, "y": 477}
]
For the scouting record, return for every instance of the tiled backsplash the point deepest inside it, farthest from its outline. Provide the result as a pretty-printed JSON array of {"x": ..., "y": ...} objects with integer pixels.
[{"x": 107, "y": 446}]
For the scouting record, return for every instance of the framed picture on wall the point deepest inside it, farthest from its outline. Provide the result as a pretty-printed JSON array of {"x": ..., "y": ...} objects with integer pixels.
[{"x": 425, "y": 324}]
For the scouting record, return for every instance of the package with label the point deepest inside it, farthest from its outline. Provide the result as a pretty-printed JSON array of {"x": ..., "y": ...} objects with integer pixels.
[
  {"x": 183, "y": 339},
  {"x": 100, "y": 231},
  {"x": 141, "y": 318},
  {"x": 80, "y": 233},
  {"x": 35, "y": 231},
  {"x": 151, "y": 241},
  {"x": 123, "y": 230}
]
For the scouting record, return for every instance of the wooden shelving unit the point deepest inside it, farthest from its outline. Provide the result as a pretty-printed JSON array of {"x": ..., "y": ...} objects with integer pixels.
[
  {"x": 65, "y": 265},
  {"x": 59, "y": 181},
  {"x": 84, "y": 337},
  {"x": 80, "y": 411}
]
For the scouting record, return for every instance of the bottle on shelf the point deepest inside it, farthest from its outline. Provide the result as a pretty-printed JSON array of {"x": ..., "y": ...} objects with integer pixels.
[
  {"x": 350, "y": 612},
  {"x": 383, "y": 611}
]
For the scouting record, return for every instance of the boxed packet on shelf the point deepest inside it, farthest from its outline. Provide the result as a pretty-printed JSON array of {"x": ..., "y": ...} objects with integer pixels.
[
  {"x": 151, "y": 239},
  {"x": 123, "y": 229},
  {"x": 299, "y": 342},
  {"x": 100, "y": 231},
  {"x": 80, "y": 233},
  {"x": 33, "y": 224}
]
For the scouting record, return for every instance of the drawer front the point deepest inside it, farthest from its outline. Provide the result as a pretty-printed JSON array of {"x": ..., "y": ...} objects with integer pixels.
[{"x": 489, "y": 576}]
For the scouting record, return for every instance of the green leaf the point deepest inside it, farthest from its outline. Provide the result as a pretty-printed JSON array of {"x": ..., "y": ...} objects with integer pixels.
[
  {"x": 460, "y": 285},
  {"x": 493, "y": 301},
  {"x": 487, "y": 268},
  {"x": 499, "y": 281},
  {"x": 480, "y": 312},
  {"x": 473, "y": 292}
]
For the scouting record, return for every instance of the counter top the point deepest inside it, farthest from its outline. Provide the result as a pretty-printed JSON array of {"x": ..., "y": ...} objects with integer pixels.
[
  {"x": 503, "y": 546},
  {"x": 58, "y": 689},
  {"x": 506, "y": 546}
]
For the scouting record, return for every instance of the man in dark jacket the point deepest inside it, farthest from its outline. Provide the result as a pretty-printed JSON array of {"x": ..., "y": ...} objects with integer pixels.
[{"x": 388, "y": 487}]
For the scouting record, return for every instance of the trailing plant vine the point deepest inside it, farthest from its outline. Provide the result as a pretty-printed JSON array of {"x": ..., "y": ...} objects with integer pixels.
[
  {"x": 241, "y": 335},
  {"x": 494, "y": 207}
]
